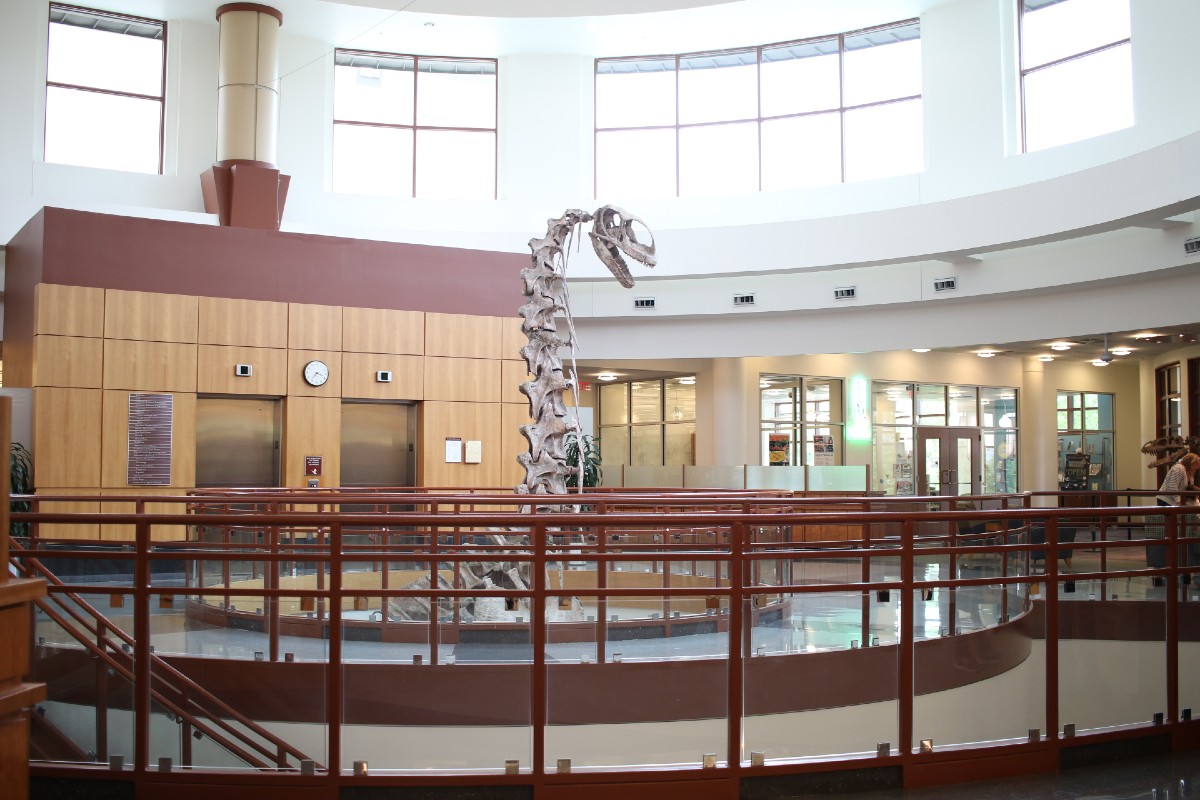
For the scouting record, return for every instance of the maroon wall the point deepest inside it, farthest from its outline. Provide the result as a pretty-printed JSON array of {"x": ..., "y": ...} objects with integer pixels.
[
  {"x": 23, "y": 271},
  {"x": 83, "y": 248}
]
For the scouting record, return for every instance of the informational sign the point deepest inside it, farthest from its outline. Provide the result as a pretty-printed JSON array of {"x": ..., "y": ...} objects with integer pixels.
[
  {"x": 454, "y": 450},
  {"x": 474, "y": 452},
  {"x": 902, "y": 472},
  {"x": 312, "y": 465},
  {"x": 823, "y": 455},
  {"x": 778, "y": 445},
  {"x": 149, "y": 444}
]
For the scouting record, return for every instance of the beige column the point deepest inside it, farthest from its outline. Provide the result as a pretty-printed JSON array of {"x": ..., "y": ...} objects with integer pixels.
[
  {"x": 1038, "y": 452},
  {"x": 248, "y": 83},
  {"x": 244, "y": 187},
  {"x": 734, "y": 419}
]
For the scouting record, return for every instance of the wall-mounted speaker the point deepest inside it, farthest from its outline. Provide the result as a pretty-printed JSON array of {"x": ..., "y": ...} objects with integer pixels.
[
  {"x": 243, "y": 370},
  {"x": 384, "y": 376}
]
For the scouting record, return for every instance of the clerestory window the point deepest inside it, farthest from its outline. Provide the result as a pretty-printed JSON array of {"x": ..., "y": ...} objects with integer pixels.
[
  {"x": 105, "y": 90},
  {"x": 1076, "y": 70},
  {"x": 821, "y": 111},
  {"x": 414, "y": 126}
]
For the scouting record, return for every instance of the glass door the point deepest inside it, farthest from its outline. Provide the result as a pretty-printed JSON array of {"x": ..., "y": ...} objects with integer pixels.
[{"x": 948, "y": 461}]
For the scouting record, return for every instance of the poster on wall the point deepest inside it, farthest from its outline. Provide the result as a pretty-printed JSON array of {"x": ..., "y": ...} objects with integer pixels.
[
  {"x": 822, "y": 450},
  {"x": 778, "y": 445},
  {"x": 902, "y": 473},
  {"x": 149, "y": 442}
]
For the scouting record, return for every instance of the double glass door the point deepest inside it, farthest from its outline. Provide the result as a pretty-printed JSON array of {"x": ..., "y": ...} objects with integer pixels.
[{"x": 948, "y": 461}]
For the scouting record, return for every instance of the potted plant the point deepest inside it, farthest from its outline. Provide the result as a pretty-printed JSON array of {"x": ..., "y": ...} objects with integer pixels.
[
  {"x": 20, "y": 482},
  {"x": 587, "y": 457}
]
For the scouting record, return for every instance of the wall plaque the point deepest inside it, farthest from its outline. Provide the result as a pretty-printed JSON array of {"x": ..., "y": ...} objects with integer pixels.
[{"x": 150, "y": 417}]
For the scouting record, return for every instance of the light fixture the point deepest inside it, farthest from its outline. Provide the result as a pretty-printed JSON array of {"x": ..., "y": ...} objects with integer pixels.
[
  {"x": 606, "y": 376},
  {"x": 986, "y": 353},
  {"x": 1105, "y": 357},
  {"x": 677, "y": 414},
  {"x": 764, "y": 384},
  {"x": 1121, "y": 351},
  {"x": 920, "y": 349},
  {"x": 1045, "y": 358},
  {"x": 689, "y": 380},
  {"x": 1147, "y": 335},
  {"x": 1060, "y": 346}
]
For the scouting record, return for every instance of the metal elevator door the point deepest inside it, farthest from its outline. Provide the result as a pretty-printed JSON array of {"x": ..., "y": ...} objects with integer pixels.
[
  {"x": 378, "y": 444},
  {"x": 237, "y": 441}
]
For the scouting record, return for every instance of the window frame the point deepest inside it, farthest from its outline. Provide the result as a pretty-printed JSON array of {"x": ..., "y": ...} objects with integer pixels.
[
  {"x": 416, "y": 127},
  {"x": 1022, "y": 72},
  {"x": 161, "y": 98},
  {"x": 664, "y": 421},
  {"x": 1107, "y": 483},
  {"x": 800, "y": 427},
  {"x": 842, "y": 109}
]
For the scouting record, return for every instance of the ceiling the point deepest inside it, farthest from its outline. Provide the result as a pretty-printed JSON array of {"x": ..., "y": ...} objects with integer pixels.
[
  {"x": 489, "y": 28},
  {"x": 1143, "y": 343}
]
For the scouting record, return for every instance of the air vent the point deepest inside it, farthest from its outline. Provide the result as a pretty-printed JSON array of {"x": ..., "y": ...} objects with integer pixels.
[
  {"x": 845, "y": 293},
  {"x": 643, "y": 303},
  {"x": 1192, "y": 246},
  {"x": 945, "y": 284},
  {"x": 743, "y": 299}
]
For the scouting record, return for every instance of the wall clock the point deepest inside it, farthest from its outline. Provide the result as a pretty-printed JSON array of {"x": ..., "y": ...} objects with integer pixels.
[{"x": 316, "y": 373}]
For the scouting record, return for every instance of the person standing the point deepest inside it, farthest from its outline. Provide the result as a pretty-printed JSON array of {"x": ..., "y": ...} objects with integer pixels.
[{"x": 1180, "y": 477}]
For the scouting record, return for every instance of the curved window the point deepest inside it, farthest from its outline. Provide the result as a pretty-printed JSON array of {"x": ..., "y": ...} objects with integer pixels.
[
  {"x": 774, "y": 117},
  {"x": 414, "y": 126},
  {"x": 1076, "y": 70}
]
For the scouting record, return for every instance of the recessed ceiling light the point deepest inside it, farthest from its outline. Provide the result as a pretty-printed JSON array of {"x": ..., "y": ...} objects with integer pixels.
[
  {"x": 1008, "y": 396},
  {"x": 986, "y": 353},
  {"x": 1146, "y": 335},
  {"x": 920, "y": 349},
  {"x": 606, "y": 376},
  {"x": 1060, "y": 346},
  {"x": 764, "y": 384},
  {"x": 1045, "y": 358},
  {"x": 430, "y": 24},
  {"x": 1099, "y": 362},
  {"x": 1120, "y": 351},
  {"x": 688, "y": 381}
]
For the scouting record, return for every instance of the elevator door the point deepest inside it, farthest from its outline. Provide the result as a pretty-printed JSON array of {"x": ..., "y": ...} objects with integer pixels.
[
  {"x": 237, "y": 441},
  {"x": 378, "y": 444},
  {"x": 949, "y": 462}
]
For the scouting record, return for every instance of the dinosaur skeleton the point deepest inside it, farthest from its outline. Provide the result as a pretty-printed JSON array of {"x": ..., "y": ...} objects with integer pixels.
[
  {"x": 613, "y": 237},
  {"x": 546, "y": 469},
  {"x": 1169, "y": 449}
]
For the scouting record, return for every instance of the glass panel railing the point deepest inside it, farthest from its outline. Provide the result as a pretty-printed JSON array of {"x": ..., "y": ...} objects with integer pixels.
[
  {"x": 839, "y": 637},
  {"x": 787, "y": 478},
  {"x": 979, "y": 661},
  {"x": 672, "y": 672},
  {"x": 837, "y": 479},
  {"x": 1128, "y": 637},
  {"x": 714, "y": 477}
]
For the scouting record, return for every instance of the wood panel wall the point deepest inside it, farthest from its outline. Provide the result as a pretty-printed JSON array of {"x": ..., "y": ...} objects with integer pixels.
[{"x": 94, "y": 347}]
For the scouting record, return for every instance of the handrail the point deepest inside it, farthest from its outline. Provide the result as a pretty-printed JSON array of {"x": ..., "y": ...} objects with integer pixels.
[
  {"x": 194, "y": 693},
  {"x": 737, "y": 532}
]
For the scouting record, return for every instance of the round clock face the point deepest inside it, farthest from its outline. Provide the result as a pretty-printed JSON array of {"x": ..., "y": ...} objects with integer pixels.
[{"x": 316, "y": 373}]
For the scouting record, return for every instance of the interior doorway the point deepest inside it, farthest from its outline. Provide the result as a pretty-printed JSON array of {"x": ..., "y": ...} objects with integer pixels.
[
  {"x": 948, "y": 461},
  {"x": 237, "y": 441}
]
